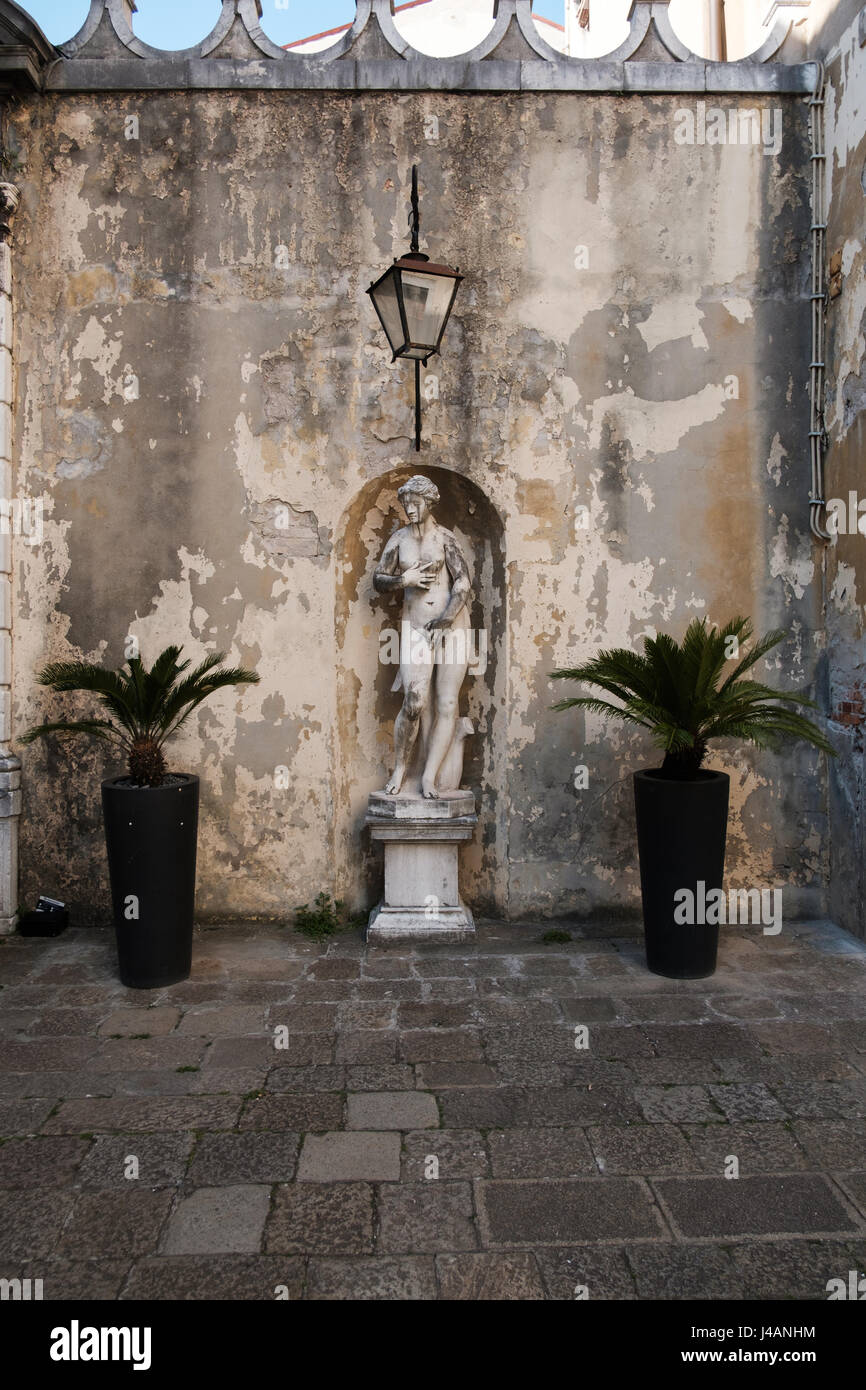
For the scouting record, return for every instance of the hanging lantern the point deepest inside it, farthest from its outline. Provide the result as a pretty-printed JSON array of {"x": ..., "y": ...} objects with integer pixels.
[{"x": 413, "y": 300}]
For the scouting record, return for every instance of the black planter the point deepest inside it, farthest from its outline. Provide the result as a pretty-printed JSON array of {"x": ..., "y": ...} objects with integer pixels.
[
  {"x": 681, "y": 832},
  {"x": 150, "y": 834}
]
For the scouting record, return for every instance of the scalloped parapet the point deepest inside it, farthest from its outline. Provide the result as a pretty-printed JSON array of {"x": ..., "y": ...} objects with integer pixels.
[{"x": 373, "y": 56}]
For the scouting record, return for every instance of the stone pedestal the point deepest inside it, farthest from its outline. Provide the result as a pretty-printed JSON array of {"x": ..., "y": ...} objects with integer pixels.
[{"x": 422, "y": 840}]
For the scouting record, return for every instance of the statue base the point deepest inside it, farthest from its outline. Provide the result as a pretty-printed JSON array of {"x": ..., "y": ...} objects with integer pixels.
[{"x": 422, "y": 840}]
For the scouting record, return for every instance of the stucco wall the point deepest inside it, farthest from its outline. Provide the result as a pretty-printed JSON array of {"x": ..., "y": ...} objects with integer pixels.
[
  {"x": 623, "y": 381},
  {"x": 845, "y": 480}
]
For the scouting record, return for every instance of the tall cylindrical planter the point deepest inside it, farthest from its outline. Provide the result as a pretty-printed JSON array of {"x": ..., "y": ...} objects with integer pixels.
[
  {"x": 150, "y": 834},
  {"x": 681, "y": 833}
]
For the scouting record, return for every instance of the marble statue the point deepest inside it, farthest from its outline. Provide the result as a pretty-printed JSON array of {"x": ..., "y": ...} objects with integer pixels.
[{"x": 424, "y": 560}]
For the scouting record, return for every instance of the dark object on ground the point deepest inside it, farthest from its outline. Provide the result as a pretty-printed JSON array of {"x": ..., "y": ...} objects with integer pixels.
[{"x": 49, "y": 919}]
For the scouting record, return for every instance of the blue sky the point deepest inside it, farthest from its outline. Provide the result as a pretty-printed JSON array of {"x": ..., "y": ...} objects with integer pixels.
[{"x": 180, "y": 23}]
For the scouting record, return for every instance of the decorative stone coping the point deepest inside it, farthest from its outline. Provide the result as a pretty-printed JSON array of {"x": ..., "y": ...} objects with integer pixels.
[{"x": 372, "y": 55}]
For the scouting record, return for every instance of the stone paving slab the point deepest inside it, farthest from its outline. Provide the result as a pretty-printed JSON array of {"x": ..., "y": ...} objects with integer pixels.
[
  {"x": 778, "y": 1205},
  {"x": 682, "y": 1271},
  {"x": 540, "y": 1153},
  {"x": 31, "y": 1223},
  {"x": 114, "y": 1224},
  {"x": 66, "y": 1023},
  {"x": 141, "y": 1054},
  {"x": 218, "y": 1220},
  {"x": 120, "y": 1113},
  {"x": 426, "y": 1217},
  {"x": 513, "y": 1276},
  {"x": 372, "y": 1047},
  {"x": 46, "y": 1055},
  {"x": 387, "y": 1279},
  {"x": 321, "y": 1218},
  {"x": 394, "y": 1110},
  {"x": 293, "y": 1112},
  {"x": 235, "y": 1277},
  {"x": 560, "y": 1213},
  {"x": 148, "y": 1160},
  {"x": 233, "y": 1020},
  {"x": 254, "y": 1157},
  {"x": 586, "y": 1272},
  {"x": 78, "y": 1279},
  {"x": 55, "y": 1160},
  {"x": 640, "y": 1149},
  {"x": 442, "y": 1153},
  {"x": 431, "y": 1130},
  {"x": 130, "y": 1023},
  {"x": 800, "y": 1269},
  {"x": 835, "y": 1145},
  {"x": 23, "y": 1116},
  {"x": 384, "y": 1077},
  {"x": 306, "y": 1080},
  {"x": 758, "y": 1148},
  {"x": 352, "y": 1157}
]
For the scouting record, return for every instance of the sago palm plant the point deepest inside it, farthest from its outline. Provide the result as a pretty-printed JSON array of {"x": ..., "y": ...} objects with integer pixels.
[
  {"x": 146, "y": 708},
  {"x": 677, "y": 692}
]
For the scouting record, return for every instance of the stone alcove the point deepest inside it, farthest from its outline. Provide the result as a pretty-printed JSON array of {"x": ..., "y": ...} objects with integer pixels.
[{"x": 366, "y": 706}]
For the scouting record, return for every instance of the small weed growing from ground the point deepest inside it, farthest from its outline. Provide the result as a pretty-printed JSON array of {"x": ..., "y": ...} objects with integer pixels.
[
  {"x": 551, "y": 937},
  {"x": 325, "y": 918}
]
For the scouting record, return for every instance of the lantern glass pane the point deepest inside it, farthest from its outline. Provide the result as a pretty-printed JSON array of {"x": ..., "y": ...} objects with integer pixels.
[
  {"x": 426, "y": 300},
  {"x": 385, "y": 297}
]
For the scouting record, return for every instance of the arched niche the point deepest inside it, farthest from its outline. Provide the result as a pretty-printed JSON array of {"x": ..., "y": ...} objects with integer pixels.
[{"x": 367, "y": 707}]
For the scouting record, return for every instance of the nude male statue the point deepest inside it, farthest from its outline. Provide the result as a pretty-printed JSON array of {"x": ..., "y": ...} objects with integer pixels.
[{"x": 425, "y": 561}]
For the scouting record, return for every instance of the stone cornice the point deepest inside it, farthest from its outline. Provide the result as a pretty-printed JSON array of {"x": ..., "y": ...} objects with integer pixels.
[
  {"x": 25, "y": 53},
  {"x": 372, "y": 55}
]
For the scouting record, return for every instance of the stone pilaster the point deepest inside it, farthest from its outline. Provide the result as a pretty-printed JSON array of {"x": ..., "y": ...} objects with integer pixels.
[{"x": 10, "y": 766}]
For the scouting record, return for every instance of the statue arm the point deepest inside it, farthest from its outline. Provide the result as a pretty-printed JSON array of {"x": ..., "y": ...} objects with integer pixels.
[
  {"x": 387, "y": 577},
  {"x": 461, "y": 589}
]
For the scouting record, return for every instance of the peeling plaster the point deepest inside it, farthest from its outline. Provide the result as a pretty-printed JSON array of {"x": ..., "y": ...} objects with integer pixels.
[
  {"x": 795, "y": 571},
  {"x": 580, "y": 404},
  {"x": 652, "y": 428},
  {"x": 778, "y": 454},
  {"x": 739, "y": 309},
  {"x": 673, "y": 319}
]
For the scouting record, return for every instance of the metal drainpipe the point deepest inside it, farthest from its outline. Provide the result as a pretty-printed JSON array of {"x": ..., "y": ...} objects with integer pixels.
[
  {"x": 717, "y": 36},
  {"x": 818, "y": 297}
]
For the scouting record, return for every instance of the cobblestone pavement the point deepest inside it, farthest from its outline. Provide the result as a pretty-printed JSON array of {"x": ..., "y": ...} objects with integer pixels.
[{"x": 432, "y": 1127}]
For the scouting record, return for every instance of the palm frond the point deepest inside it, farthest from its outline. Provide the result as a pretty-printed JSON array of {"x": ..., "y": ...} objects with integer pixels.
[
  {"x": 198, "y": 687},
  {"x": 602, "y": 707},
  {"x": 771, "y": 723},
  {"x": 80, "y": 675},
  {"x": 760, "y": 649},
  {"x": 676, "y": 691},
  {"x": 147, "y": 706},
  {"x": 98, "y": 728}
]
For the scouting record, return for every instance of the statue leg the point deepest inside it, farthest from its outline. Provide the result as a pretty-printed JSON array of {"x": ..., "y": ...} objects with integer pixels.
[
  {"x": 449, "y": 679},
  {"x": 426, "y": 726},
  {"x": 417, "y": 695}
]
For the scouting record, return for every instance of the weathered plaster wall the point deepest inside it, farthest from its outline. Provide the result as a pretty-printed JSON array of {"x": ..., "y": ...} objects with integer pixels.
[
  {"x": 824, "y": 24},
  {"x": 845, "y": 577},
  {"x": 623, "y": 381}
]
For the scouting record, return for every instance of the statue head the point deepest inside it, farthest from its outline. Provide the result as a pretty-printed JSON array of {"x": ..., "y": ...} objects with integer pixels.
[{"x": 419, "y": 496}]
